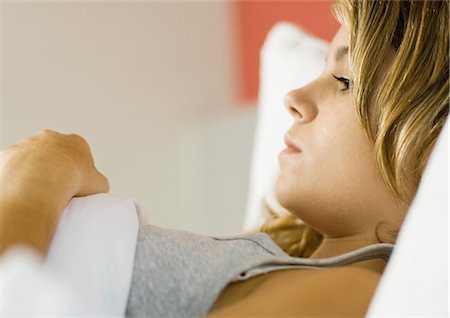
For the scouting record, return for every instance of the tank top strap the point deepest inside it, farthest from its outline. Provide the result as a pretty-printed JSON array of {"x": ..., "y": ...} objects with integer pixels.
[
  {"x": 374, "y": 251},
  {"x": 380, "y": 250}
]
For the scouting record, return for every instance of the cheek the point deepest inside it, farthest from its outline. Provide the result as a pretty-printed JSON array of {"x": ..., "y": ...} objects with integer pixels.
[
  {"x": 329, "y": 185},
  {"x": 343, "y": 154}
]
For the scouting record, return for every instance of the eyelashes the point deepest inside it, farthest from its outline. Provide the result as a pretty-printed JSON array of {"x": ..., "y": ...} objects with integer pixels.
[{"x": 345, "y": 81}]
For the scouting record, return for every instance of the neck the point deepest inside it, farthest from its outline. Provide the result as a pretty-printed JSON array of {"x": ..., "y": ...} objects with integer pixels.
[{"x": 336, "y": 246}]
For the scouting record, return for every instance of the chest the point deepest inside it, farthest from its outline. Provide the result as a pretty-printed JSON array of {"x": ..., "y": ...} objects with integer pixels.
[
  {"x": 271, "y": 281},
  {"x": 238, "y": 290}
]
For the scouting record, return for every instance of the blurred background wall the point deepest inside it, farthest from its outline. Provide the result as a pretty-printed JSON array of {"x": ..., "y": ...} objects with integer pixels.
[{"x": 164, "y": 92}]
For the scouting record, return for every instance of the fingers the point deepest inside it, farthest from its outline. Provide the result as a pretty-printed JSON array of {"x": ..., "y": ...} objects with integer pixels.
[
  {"x": 92, "y": 181},
  {"x": 96, "y": 183}
]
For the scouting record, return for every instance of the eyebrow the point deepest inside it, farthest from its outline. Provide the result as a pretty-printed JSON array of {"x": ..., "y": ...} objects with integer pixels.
[{"x": 340, "y": 53}]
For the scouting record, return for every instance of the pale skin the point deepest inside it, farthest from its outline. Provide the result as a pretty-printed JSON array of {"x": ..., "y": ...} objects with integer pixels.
[{"x": 332, "y": 184}]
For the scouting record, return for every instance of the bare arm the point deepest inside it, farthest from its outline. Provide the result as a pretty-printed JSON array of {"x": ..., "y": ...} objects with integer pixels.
[
  {"x": 338, "y": 292},
  {"x": 38, "y": 177}
]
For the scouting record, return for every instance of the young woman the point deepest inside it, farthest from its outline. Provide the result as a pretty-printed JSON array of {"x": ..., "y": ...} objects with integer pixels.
[{"x": 359, "y": 141}]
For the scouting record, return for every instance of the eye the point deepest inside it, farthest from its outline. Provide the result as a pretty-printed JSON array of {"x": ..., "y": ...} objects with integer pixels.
[{"x": 347, "y": 83}]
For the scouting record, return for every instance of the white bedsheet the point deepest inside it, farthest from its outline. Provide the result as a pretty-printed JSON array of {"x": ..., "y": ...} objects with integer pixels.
[{"x": 89, "y": 265}]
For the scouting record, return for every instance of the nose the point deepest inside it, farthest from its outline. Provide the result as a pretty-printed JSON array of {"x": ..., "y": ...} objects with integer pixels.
[{"x": 301, "y": 105}]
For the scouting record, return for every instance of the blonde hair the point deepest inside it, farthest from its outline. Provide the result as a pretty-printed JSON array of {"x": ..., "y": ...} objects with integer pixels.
[
  {"x": 290, "y": 233},
  {"x": 402, "y": 112}
]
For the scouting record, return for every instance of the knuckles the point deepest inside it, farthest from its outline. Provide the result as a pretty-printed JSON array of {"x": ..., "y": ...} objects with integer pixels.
[
  {"x": 52, "y": 143},
  {"x": 51, "y": 154},
  {"x": 59, "y": 138}
]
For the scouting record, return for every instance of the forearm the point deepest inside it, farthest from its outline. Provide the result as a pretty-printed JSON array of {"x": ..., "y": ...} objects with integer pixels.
[
  {"x": 31, "y": 220},
  {"x": 33, "y": 194}
]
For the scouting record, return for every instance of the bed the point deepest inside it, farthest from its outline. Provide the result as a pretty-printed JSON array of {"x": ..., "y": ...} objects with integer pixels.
[{"x": 89, "y": 265}]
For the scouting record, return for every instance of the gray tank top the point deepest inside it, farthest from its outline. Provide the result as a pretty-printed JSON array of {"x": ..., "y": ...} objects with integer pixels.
[{"x": 181, "y": 274}]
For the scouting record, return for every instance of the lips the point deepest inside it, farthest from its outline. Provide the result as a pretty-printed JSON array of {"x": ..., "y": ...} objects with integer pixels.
[{"x": 290, "y": 143}]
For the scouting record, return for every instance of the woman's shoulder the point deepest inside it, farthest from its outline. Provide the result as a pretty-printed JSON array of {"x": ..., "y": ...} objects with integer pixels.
[{"x": 340, "y": 291}]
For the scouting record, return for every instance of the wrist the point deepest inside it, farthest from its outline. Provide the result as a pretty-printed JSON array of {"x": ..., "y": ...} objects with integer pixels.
[
  {"x": 29, "y": 221},
  {"x": 38, "y": 180},
  {"x": 31, "y": 204}
]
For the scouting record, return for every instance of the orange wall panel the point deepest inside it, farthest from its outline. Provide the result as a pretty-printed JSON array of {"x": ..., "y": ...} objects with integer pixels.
[{"x": 253, "y": 19}]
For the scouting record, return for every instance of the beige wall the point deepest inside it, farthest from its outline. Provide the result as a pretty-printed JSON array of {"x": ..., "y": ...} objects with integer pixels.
[{"x": 150, "y": 86}]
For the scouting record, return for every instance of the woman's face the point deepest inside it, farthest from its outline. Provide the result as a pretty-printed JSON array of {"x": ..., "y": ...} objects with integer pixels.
[{"x": 332, "y": 183}]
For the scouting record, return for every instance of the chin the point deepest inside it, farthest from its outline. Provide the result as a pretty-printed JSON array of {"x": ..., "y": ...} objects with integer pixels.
[
  {"x": 290, "y": 195},
  {"x": 283, "y": 192}
]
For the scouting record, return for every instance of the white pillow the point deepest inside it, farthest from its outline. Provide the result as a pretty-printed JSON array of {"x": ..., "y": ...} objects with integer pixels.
[
  {"x": 415, "y": 282},
  {"x": 290, "y": 58}
]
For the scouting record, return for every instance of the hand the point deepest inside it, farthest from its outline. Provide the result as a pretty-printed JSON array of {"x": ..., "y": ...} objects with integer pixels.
[
  {"x": 38, "y": 177},
  {"x": 50, "y": 161}
]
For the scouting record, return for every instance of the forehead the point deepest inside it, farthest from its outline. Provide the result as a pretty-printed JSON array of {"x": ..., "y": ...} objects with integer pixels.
[
  {"x": 341, "y": 37},
  {"x": 340, "y": 40}
]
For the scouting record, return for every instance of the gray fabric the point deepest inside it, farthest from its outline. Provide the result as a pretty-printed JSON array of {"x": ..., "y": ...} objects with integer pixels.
[{"x": 181, "y": 274}]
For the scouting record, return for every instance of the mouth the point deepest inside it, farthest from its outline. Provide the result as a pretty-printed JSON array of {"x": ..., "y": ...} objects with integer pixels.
[
  {"x": 290, "y": 143},
  {"x": 292, "y": 147}
]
